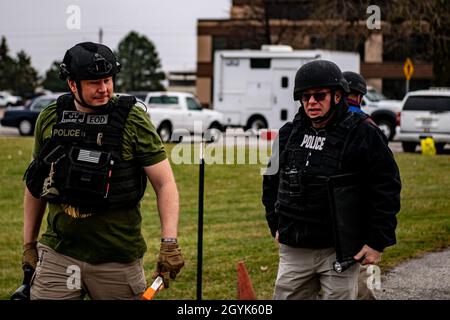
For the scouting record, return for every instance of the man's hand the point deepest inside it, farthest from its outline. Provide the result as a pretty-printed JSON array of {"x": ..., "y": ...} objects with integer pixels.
[
  {"x": 30, "y": 255},
  {"x": 170, "y": 261},
  {"x": 371, "y": 256}
]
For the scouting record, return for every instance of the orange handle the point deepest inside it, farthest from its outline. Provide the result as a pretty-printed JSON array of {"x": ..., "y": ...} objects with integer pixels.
[{"x": 151, "y": 291}]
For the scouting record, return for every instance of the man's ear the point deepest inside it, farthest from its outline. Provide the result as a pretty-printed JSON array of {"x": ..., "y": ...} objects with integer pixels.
[
  {"x": 72, "y": 85},
  {"x": 337, "y": 96}
]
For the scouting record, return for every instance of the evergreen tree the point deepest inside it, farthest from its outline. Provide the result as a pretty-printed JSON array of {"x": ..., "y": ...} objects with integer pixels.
[
  {"x": 52, "y": 81},
  {"x": 25, "y": 76},
  {"x": 6, "y": 66},
  {"x": 141, "y": 66}
]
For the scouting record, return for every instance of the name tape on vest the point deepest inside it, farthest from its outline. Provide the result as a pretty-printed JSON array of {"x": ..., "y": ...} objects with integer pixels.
[
  {"x": 72, "y": 117},
  {"x": 97, "y": 119},
  {"x": 313, "y": 142}
]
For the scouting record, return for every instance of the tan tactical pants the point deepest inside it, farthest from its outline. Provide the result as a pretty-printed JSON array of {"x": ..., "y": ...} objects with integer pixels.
[
  {"x": 61, "y": 277},
  {"x": 304, "y": 273}
]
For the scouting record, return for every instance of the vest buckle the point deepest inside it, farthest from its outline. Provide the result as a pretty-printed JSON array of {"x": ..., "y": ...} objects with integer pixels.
[{"x": 100, "y": 138}]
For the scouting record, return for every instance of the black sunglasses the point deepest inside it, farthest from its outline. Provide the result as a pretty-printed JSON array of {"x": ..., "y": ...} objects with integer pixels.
[{"x": 318, "y": 96}]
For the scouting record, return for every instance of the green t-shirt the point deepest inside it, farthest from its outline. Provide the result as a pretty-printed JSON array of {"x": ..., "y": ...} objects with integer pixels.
[{"x": 109, "y": 235}]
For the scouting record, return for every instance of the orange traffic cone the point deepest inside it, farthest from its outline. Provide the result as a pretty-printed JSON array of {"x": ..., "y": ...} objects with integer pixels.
[{"x": 244, "y": 286}]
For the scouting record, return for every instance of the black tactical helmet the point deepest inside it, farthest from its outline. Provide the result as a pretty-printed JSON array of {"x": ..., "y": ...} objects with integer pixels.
[
  {"x": 88, "y": 61},
  {"x": 319, "y": 74},
  {"x": 356, "y": 82}
]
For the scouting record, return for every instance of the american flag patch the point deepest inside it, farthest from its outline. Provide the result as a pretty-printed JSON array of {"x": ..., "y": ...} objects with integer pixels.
[{"x": 89, "y": 156}]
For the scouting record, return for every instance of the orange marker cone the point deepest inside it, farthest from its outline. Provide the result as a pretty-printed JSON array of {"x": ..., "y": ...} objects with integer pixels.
[{"x": 245, "y": 288}]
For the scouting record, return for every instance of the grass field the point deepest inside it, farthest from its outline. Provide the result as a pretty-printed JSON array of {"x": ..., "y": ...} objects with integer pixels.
[{"x": 235, "y": 228}]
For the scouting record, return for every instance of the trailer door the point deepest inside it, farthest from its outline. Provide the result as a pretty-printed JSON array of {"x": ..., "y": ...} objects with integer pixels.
[{"x": 284, "y": 107}]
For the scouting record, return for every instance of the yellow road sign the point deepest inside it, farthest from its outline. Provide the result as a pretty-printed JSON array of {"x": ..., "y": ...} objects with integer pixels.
[{"x": 408, "y": 68}]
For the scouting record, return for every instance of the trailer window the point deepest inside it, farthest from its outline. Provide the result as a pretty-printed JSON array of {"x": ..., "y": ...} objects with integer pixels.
[
  {"x": 284, "y": 82},
  {"x": 260, "y": 63}
]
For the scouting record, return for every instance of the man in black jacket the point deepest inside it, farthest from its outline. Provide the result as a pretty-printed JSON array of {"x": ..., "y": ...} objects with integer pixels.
[{"x": 324, "y": 141}]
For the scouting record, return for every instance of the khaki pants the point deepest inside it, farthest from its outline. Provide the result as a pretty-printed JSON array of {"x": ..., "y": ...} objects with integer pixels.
[
  {"x": 304, "y": 273},
  {"x": 61, "y": 277}
]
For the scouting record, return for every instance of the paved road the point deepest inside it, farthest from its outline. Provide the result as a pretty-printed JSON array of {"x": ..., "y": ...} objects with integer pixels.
[
  {"x": 426, "y": 278},
  {"x": 394, "y": 145}
]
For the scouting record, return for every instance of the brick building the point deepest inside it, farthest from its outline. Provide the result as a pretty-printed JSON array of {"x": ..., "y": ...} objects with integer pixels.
[{"x": 306, "y": 24}]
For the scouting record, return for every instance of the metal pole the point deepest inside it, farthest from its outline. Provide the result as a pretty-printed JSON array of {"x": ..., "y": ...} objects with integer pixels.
[
  {"x": 100, "y": 35},
  {"x": 407, "y": 86},
  {"x": 200, "y": 222}
]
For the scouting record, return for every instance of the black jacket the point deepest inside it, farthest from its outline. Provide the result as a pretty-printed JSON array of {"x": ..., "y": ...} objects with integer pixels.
[{"x": 367, "y": 152}]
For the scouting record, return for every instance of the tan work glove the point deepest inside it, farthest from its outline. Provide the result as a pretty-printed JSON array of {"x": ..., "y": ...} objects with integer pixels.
[
  {"x": 30, "y": 255},
  {"x": 170, "y": 261}
]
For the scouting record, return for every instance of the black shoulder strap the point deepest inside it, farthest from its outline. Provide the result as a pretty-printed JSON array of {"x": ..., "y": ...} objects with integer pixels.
[
  {"x": 126, "y": 101},
  {"x": 64, "y": 102},
  {"x": 282, "y": 148},
  {"x": 345, "y": 127},
  {"x": 120, "y": 111}
]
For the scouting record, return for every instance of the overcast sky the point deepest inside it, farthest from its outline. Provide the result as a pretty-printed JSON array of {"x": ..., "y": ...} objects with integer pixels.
[{"x": 41, "y": 27}]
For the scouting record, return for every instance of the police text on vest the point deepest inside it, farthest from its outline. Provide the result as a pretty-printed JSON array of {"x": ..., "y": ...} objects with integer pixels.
[{"x": 313, "y": 142}]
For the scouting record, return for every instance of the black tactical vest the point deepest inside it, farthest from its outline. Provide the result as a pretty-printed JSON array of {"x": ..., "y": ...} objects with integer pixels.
[
  {"x": 82, "y": 161},
  {"x": 302, "y": 193}
]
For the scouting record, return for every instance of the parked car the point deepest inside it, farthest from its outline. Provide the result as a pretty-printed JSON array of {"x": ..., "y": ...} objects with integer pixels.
[
  {"x": 24, "y": 117},
  {"x": 174, "y": 111},
  {"x": 7, "y": 99},
  {"x": 384, "y": 112},
  {"x": 425, "y": 113}
]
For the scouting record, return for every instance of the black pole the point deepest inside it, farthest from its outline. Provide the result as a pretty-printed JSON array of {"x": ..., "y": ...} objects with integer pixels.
[{"x": 200, "y": 223}]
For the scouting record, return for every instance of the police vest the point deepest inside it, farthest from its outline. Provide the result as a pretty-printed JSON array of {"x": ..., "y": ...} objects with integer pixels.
[
  {"x": 83, "y": 159},
  {"x": 305, "y": 166}
]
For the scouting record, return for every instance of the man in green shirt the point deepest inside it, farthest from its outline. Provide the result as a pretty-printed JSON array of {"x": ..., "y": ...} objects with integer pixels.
[{"x": 93, "y": 155}]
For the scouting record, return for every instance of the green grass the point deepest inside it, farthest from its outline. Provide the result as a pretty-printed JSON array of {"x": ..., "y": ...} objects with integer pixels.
[{"x": 234, "y": 225}]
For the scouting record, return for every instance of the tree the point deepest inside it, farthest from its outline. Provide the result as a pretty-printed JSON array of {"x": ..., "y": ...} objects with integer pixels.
[
  {"x": 415, "y": 29},
  {"x": 52, "y": 81},
  {"x": 141, "y": 67},
  {"x": 6, "y": 66},
  {"x": 25, "y": 76},
  {"x": 429, "y": 17},
  {"x": 271, "y": 21}
]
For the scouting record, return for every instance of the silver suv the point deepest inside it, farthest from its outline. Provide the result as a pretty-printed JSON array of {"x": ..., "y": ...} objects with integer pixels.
[{"x": 425, "y": 113}]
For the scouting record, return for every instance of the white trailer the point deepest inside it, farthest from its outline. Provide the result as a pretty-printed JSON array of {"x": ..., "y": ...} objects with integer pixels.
[{"x": 254, "y": 88}]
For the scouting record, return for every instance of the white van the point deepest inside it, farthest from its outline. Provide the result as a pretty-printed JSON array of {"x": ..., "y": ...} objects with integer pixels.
[{"x": 425, "y": 113}]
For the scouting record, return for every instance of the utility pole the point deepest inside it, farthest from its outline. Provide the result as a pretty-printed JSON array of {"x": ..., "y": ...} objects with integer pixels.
[{"x": 100, "y": 35}]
